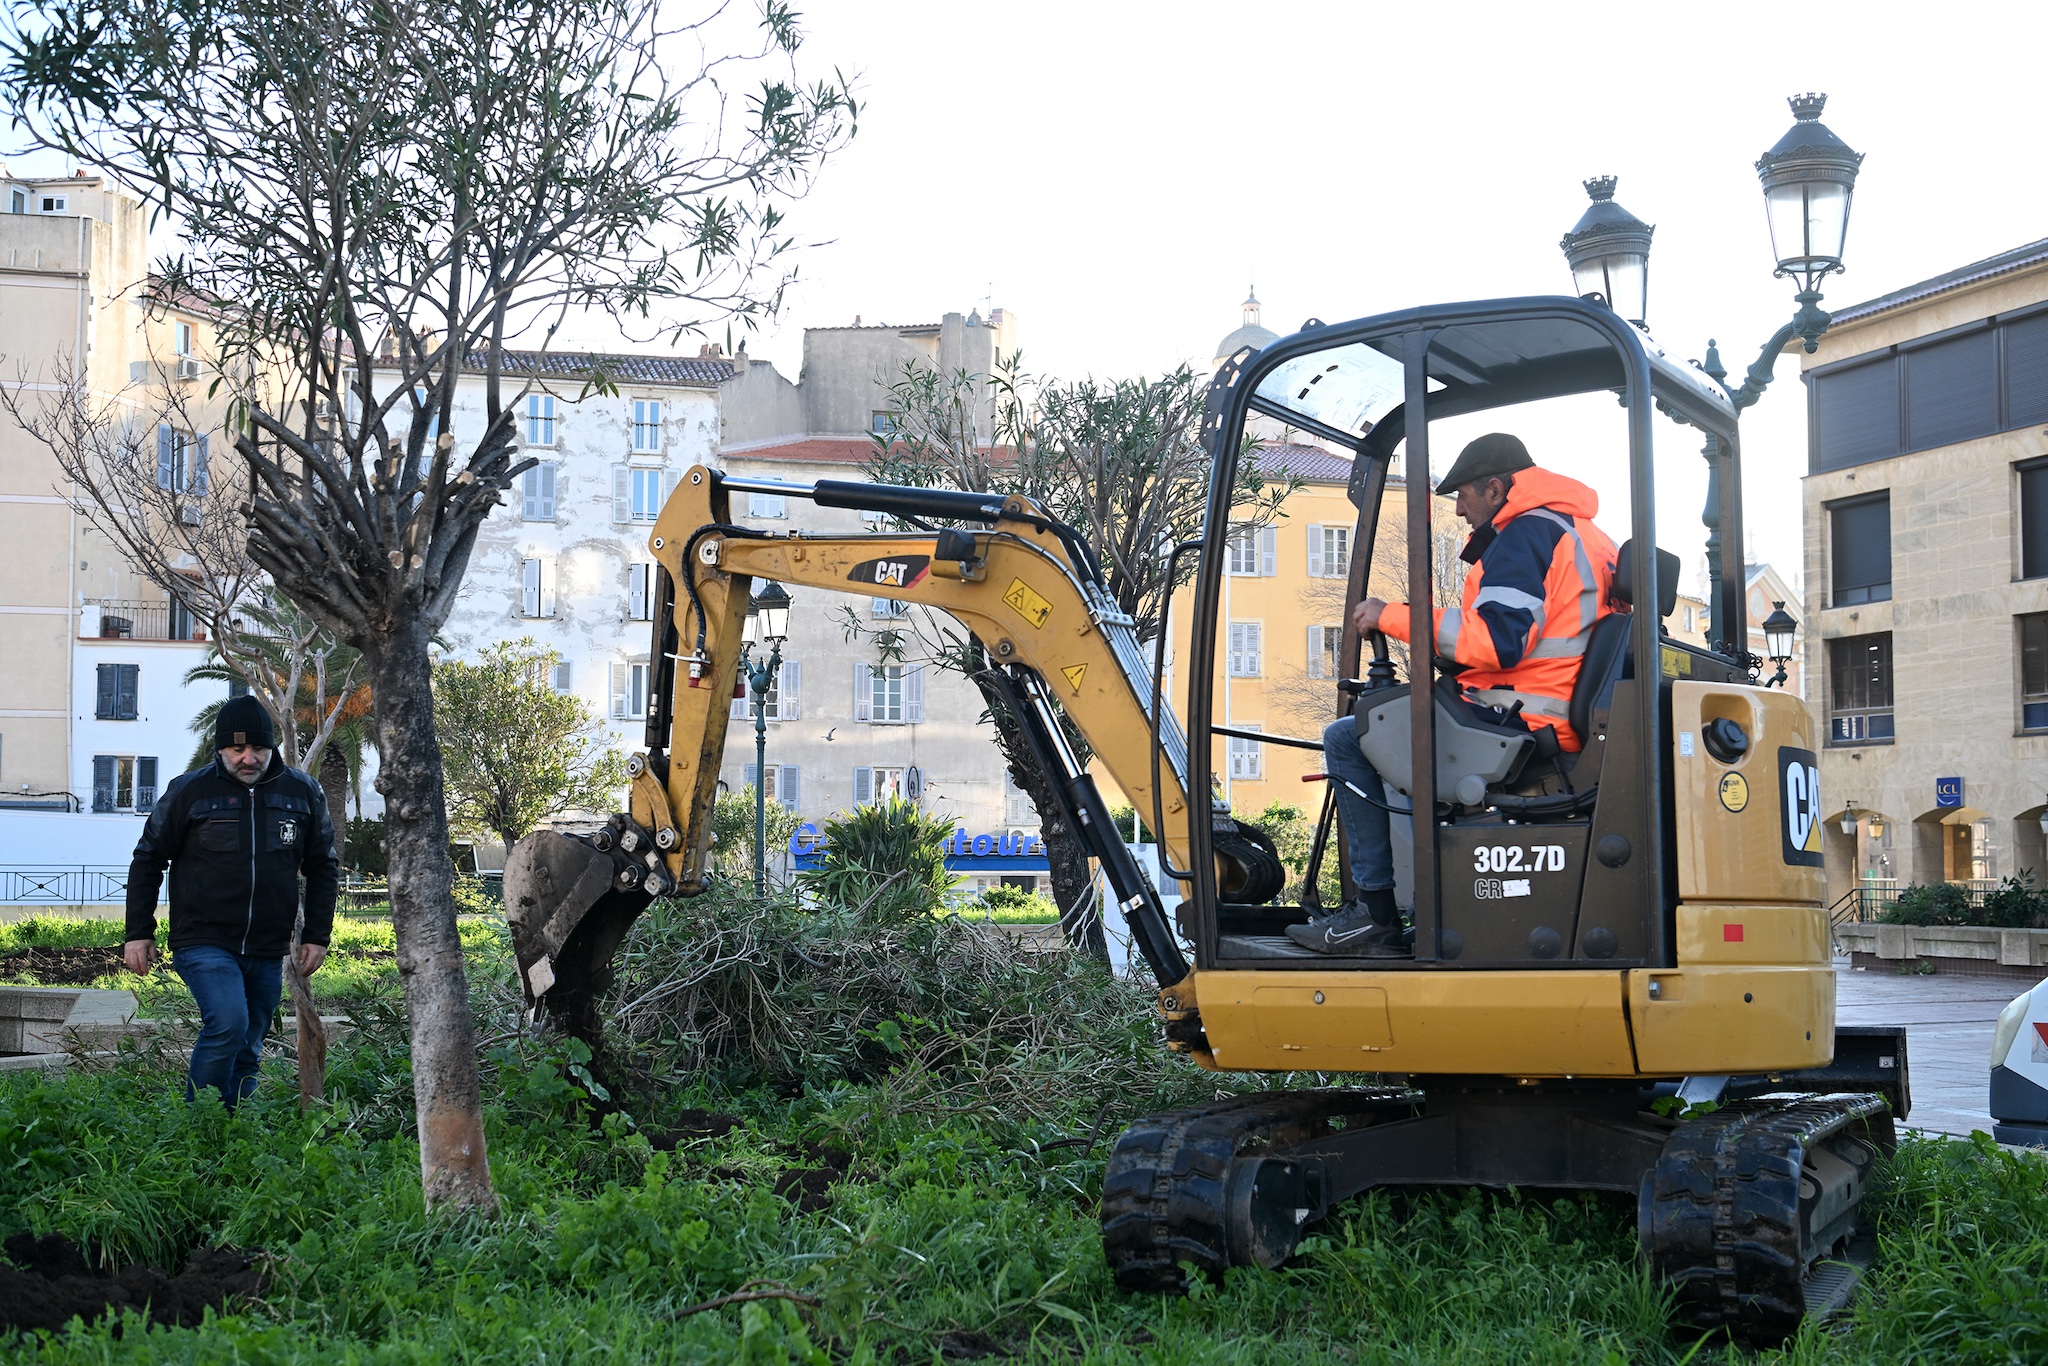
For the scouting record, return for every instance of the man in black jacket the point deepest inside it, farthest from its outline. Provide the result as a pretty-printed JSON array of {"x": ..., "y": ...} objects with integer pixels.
[{"x": 236, "y": 835}]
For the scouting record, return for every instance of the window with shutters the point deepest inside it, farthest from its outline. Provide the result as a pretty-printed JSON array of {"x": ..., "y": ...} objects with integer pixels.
[
  {"x": 1324, "y": 643},
  {"x": 1247, "y": 757},
  {"x": 1952, "y": 390},
  {"x": 183, "y": 625},
  {"x": 2026, "y": 371},
  {"x": 629, "y": 690},
  {"x": 1329, "y": 552},
  {"x": 2033, "y": 480},
  {"x": 1017, "y": 808},
  {"x": 1244, "y": 649},
  {"x": 540, "y": 420},
  {"x": 181, "y": 461},
  {"x": 783, "y": 786},
  {"x": 1860, "y": 689},
  {"x": 647, "y": 425},
  {"x": 117, "y": 685},
  {"x": 646, "y": 491},
  {"x": 1251, "y": 551},
  {"x": 2033, "y": 633},
  {"x": 123, "y": 782},
  {"x": 537, "y": 487},
  {"x": 639, "y": 592},
  {"x": 888, "y": 609},
  {"x": 537, "y": 588},
  {"x": 561, "y": 677},
  {"x": 784, "y": 700},
  {"x": 888, "y": 694},
  {"x": 887, "y": 783},
  {"x": 767, "y": 505},
  {"x": 1860, "y": 553},
  {"x": 1856, "y": 415}
]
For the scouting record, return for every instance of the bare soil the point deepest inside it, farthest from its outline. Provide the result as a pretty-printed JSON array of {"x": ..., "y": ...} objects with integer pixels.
[
  {"x": 60, "y": 967},
  {"x": 50, "y": 1281}
]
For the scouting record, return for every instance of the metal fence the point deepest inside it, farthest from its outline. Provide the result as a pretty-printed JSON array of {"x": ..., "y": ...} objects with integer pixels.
[
  {"x": 1865, "y": 902},
  {"x": 123, "y": 619},
  {"x": 78, "y": 884}
]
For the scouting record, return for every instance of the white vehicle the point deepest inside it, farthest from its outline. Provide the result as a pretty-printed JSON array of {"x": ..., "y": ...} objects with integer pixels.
[{"x": 2019, "y": 1071}]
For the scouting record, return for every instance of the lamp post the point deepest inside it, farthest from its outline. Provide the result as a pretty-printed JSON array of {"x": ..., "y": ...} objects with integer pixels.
[
  {"x": 1849, "y": 819},
  {"x": 767, "y": 624},
  {"x": 1809, "y": 179},
  {"x": 1779, "y": 629}
]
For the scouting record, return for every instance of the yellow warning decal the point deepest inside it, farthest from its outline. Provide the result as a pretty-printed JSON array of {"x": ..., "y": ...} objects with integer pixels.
[
  {"x": 1028, "y": 604},
  {"x": 1075, "y": 673},
  {"x": 1677, "y": 664},
  {"x": 1734, "y": 791}
]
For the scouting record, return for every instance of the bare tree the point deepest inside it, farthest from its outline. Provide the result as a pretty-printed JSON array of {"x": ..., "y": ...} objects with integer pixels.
[
  {"x": 390, "y": 192},
  {"x": 1122, "y": 463}
]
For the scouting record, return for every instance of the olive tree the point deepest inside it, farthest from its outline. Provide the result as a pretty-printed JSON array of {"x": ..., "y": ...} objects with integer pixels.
[
  {"x": 383, "y": 196},
  {"x": 514, "y": 750}
]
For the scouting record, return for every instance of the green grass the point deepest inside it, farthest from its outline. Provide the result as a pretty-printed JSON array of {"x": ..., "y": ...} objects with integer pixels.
[{"x": 959, "y": 1225}]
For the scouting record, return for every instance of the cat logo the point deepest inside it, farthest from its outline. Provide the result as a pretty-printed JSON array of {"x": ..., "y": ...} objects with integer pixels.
[
  {"x": 902, "y": 571},
  {"x": 1799, "y": 795}
]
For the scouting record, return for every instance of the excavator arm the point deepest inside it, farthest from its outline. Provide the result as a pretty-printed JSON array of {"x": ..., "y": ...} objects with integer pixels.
[{"x": 1025, "y": 586}]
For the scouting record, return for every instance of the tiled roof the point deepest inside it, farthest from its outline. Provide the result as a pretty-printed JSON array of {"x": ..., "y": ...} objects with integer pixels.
[
  {"x": 1312, "y": 463},
  {"x": 695, "y": 372},
  {"x": 2019, "y": 258},
  {"x": 810, "y": 450}
]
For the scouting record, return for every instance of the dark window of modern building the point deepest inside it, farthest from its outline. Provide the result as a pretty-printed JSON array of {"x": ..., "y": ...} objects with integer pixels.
[
  {"x": 2026, "y": 371},
  {"x": 1856, "y": 414},
  {"x": 1861, "y": 532},
  {"x": 1860, "y": 689},
  {"x": 2034, "y": 519},
  {"x": 1952, "y": 390},
  {"x": 116, "y": 699},
  {"x": 2034, "y": 671}
]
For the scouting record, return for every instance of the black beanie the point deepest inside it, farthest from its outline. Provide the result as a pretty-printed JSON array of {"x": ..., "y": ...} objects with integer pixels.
[{"x": 244, "y": 721}]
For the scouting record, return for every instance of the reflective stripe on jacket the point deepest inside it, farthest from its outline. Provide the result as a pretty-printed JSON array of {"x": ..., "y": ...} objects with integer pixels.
[{"x": 1541, "y": 581}]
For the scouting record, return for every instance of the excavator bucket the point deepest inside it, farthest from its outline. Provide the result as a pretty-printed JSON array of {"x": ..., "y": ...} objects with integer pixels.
[{"x": 568, "y": 915}]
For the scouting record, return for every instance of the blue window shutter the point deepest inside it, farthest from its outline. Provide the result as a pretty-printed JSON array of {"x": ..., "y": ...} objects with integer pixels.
[
  {"x": 103, "y": 781},
  {"x": 127, "y": 676},
  {"x": 863, "y": 786},
  {"x": 786, "y": 791},
  {"x": 145, "y": 783},
  {"x": 166, "y": 458},
  {"x": 103, "y": 702},
  {"x": 201, "y": 480}
]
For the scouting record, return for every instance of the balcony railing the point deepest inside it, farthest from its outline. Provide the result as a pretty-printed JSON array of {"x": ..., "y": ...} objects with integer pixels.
[
  {"x": 1864, "y": 903},
  {"x": 117, "y": 619}
]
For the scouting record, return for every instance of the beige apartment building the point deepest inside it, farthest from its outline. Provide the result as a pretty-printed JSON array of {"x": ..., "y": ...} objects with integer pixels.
[
  {"x": 93, "y": 707},
  {"x": 1926, "y": 542}
]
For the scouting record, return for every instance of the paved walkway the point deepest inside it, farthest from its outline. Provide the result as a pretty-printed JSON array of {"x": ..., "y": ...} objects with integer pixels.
[{"x": 1948, "y": 1037}]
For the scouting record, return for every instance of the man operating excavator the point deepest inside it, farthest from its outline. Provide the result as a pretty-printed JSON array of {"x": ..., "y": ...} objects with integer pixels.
[{"x": 1540, "y": 579}]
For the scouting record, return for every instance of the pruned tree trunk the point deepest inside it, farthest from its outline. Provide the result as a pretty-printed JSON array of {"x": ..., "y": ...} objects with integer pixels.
[
  {"x": 454, "y": 1167},
  {"x": 1066, "y": 851}
]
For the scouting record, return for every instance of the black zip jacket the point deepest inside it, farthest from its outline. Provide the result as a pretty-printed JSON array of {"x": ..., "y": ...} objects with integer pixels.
[{"x": 235, "y": 853}]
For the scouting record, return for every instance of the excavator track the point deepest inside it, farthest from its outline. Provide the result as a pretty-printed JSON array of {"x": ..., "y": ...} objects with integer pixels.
[
  {"x": 1166, "y": 1194},
  {"x": 1752, "y": 1212}
]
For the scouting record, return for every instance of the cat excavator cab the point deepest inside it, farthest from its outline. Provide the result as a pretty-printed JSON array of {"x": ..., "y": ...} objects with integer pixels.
[{"x": 1622, "y": 973}]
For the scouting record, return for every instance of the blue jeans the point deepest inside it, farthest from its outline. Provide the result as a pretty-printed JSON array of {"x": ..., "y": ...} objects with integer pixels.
[
  {"x": 1365, "y": 825},
  {"x": 237, "y": 994}
]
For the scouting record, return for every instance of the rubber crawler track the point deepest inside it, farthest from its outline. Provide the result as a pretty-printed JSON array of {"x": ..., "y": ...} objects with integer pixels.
[
  {"x": 1163, "y": 1191},
  {"x": 1724, "y": 1226}
]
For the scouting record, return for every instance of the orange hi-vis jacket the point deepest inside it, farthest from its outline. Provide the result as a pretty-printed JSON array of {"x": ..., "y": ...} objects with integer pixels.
[{"x": 1540, "y": 581}]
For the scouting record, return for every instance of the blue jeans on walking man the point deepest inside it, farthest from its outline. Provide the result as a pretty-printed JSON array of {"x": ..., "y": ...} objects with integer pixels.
[
  {"x": 1365, "y": 825},
  {"x": 237, "y": 994}
]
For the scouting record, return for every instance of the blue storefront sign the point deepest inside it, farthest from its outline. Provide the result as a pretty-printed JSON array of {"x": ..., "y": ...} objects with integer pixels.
[
  {"x": 1948, "y": 791},
  {"x": 998, "y": 852}
]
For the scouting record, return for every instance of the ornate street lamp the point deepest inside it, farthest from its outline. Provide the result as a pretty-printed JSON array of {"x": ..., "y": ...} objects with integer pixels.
[
  {"x": 1809, "y": 179},
  {"x": 767, "y": 624},
  {"x": 1849, "y": 819},
  {"x": 1609, "y": 253},
  {"x": 1876, "y": 827},
  {"x": 1779, "y": 628}
]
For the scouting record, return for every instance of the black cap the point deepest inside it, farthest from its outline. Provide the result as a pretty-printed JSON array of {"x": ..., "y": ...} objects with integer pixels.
[
  {"x": 1492, "y": 454},
  {"x": 244, "y": 721}
]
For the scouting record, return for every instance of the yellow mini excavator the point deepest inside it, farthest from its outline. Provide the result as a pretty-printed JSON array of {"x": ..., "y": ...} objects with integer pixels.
[{"x": 1621, "y": 976}]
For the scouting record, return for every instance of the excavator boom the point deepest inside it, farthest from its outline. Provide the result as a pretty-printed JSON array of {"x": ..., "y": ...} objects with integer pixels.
[{"x": 1027, "y": 589}]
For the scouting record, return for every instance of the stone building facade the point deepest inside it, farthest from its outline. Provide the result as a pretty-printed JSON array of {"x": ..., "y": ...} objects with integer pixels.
[
  {"x": 1926, "y": 545},
  {"x": 94, "y": 710}
]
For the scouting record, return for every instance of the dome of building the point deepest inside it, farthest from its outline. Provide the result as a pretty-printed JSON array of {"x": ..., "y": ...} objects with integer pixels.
[{"x": 1250, "y": 334}]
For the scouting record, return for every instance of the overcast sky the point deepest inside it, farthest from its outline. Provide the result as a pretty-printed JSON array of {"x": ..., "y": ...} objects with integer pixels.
[{"x": 1117, "y": 174}]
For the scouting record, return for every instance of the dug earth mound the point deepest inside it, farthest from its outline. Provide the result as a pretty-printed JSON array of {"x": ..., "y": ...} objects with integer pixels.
[{"x": 45, "y": 1282}]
